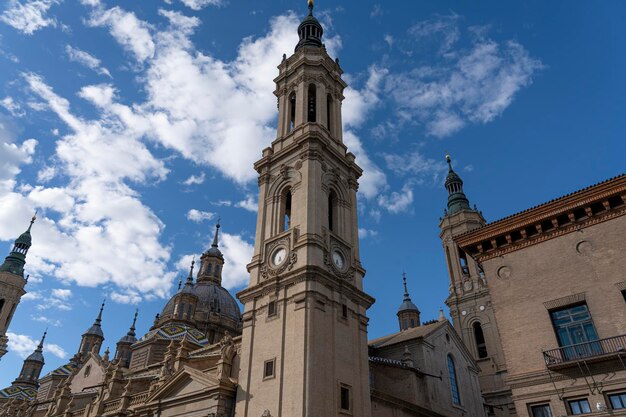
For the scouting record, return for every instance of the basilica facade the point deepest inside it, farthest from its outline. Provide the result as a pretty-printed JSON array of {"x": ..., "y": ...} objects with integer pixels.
[{"x": 522, "y": 291}]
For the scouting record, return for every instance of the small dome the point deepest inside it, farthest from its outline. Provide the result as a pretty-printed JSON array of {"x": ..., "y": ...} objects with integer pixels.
[
  {"x": 25, "y": 238},
  {"x": 212, "y": 298},
  {"x": 36, "y": 356},
  {"x": 130, "y": 339},
  {"x": 407, "y": 305},
  {"x": 95, "y": 330}
]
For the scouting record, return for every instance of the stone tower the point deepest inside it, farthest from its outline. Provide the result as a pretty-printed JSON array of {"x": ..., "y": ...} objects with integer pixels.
[
  {"x": 304, "y": 344},
  {"x": 12, "y": 283},
  {"x": 123, "y": 351},
  {"x": 408, "y": 313},
  {"x": 31, "y": 369},
  {"x": 469, "y": 300},
  {"x": 92, "y": 339}
]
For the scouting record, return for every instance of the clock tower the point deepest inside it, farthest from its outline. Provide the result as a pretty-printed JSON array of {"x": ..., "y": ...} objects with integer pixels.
[{"x": 304, "y": 345}]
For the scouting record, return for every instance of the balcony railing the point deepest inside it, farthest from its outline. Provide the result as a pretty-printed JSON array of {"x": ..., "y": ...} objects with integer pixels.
[{"x": 596, "y": 350}]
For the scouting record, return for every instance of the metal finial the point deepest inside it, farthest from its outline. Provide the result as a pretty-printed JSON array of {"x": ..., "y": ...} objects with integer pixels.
[
  {"x": 99, "y": 319},
  {"x": 40, "y": 346},
  {"x": 132, "y": 327},
  {"x": 217, "y": 232},
  {"x": 190, "y": 277},
  {"x": 310, "y": 2}
]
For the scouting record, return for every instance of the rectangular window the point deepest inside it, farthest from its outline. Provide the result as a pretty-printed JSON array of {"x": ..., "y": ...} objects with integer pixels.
[
  {"x": 580, "y": 406},
  {"x": 624, "y": 294},
  {"x": 574, "y": 327},
  {"x": 268, "y": 368},
  {"x": 344, "y": 311},
  {"x": 618, "y": 401},
  {"x": 344, "y": 398},
  {"x": 271, "y": 309},
  {"x": 542, "y": 410}
]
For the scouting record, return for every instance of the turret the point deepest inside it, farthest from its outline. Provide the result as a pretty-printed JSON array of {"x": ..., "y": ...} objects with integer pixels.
[
  {"x": 31, "y": 369},
  {"x": 92, "y": 339},
  {"x": 408, "y": 313},
  {"x": 212, "y": 262},
  {"x": 457, "y": 200},
  {"x": 123, "y": 350}
]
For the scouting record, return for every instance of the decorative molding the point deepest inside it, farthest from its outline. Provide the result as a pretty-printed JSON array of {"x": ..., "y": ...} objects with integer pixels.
[{"x": 565, "y": 301}]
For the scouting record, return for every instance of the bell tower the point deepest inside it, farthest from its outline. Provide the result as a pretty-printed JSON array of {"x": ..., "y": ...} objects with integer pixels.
[
  {"x": 12, "y": 283},
  {"x": 304, "y": 345},
  {"x": 469, "y": 299}
]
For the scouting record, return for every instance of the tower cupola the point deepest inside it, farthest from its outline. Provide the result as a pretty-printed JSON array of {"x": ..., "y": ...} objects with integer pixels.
[
  {"x": 408, "y": 313},
  {"x": 15, "y": 261},
  {"x": 31, "y": 369},
  {"x": 92, "y": 339},
  {"x": 310, "y": 30},
  {"x": 212, "y": 261},
  {"x": 123, "y": 349},
  {"x": 457, "y": 201}
]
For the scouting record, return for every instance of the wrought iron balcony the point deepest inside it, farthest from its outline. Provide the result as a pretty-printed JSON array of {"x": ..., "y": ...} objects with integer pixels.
[{"x": 594, "y": 351}]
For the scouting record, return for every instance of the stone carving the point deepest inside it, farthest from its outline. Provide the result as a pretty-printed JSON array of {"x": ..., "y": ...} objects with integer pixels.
[{"x": 266, "y": 413}]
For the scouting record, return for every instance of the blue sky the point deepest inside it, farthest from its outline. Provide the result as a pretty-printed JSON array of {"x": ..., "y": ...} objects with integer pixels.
[{"x": 133, "y": 126}]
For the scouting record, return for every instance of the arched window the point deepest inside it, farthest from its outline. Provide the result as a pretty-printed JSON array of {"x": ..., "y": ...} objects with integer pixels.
[
  {"x": 6, "y": 323},
  {"x": 479, "y": 336},
  {"x": 86, "y": 347},
  {"x": 332, "y": 210},
  {"x": 454, "y": 386},
  {"x": 189, "y": 312},
  {"x": 181, "y": 311},
  {"x": 209, "y": 268},
  {"x": 285, "y": 211},
  {"x": 292, "y": 112},
  {"x": 217, "y": 270},
  {"x": 311, "y": 104},
  {"x": 329, "y": 112}
]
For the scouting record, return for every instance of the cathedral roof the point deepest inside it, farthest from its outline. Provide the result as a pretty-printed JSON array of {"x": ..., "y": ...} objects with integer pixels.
[
  {"x": 18, "y": 391},
  {"x": 212, "y": 298},
  {"x": 96, "y": 328},
  {"x": 130, "y": 337},
  {"x": 407, "y": 304},
  {"x": 406, "y": 335},
  {"x": 177, "y": 332}
]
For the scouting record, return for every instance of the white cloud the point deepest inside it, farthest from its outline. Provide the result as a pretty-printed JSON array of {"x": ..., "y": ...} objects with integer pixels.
[
  {"x": 237, "y": 254},
  {"x": 24, "y": 345},
  {"x": 11, "y": 157},
  {"x": 129, "y": 297},
  {"x": 31, "y": 295},
  {"x": 397, "y": 202},
  {"x": 417, "y": 166},
  {"x": 86, "y": 59},
  {"x": 466, "y": 85},
  {"x": 28, "y": 16},
  {"x": 133, "y": 34},
  {"x": 195, "y": 179},
  {"x": 61, "y": 293},
  {"x": 249, "y": 204},
  {"x": 47, "y": 320},
  {"x": 12, "y": 107},
  {"x": 365, "y": 233},
  {"x": 199, "y": 216},
  {"x": 46, "y": 174},
  {"x": 200, "y": 4}
]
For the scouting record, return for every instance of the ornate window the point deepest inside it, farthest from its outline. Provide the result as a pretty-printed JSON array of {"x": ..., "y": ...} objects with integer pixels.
[
  {"x": 285, "y": 217},
  {"x": 209, "y": 268},
  {"x": 292, "y": 112},
  {"x": 479, "y": 337},
  {"x": 311, "y": 104},
  {"x": 454, "y": 386},
  {"x": 332, "y": 210},
  {"x": 217, "y": 270},
  {"x": 329, "y": 112}
]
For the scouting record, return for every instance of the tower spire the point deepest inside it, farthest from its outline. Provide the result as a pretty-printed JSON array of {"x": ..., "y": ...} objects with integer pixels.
[
  {"x": 131, "y": 332},
  {"x": 15, "y": 261},
  {"x": 43, "y": 338},
  {"x": 216, "y": 237},
  {"x": 99, "y": 318},
  {"x": 408, "y": 313},
  {"x": 310, "y": 30},
  {"x": 190, "y": 276},
  {"x": 457, "y": 200}
]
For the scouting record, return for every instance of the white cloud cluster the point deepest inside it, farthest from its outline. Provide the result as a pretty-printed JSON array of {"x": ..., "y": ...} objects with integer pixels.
[
  {"x": 417, "y": 166},
  {"x": 195, "y": 179},
  {"x": 24, "y": 345},
  {"x": 12, "y": 107},
  {"x": 200, "y": 4},
  {"x": 468, "y": 85},
  {"x": 86, "y": 59},
  {"x": 397, "y": 202},
  {"x": 28, "y": 16},
  {"x": 199, "y": 216}
]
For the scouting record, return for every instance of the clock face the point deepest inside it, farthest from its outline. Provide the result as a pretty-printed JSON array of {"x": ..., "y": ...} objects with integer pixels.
[
  {"x": 338, "y": 259},
  {"x": 279, "y": 256}
]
